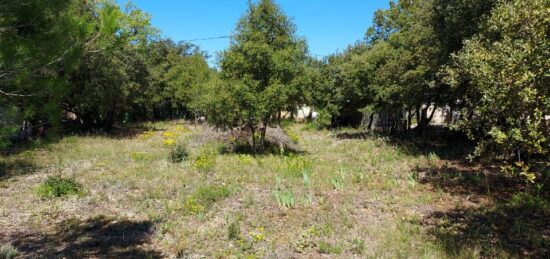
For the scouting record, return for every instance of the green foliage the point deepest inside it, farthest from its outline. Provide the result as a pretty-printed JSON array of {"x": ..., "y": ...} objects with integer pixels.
[
  {"x": 234, "y": 230},
  {"x": 258, "y": 71},
  {"x": 178, "y": 153},
  {"x": 285, "y": 199},
  {"x": 8, "y": 252},
  {"x": 204, "y": 198},
  {"x": 56, "y": 186},
  {"x": 504, "y": 73},
  {"x": 525, "y": 200},
  {"x": 337, "y": 182},
  {"x": 323, "y": 120},
  {"x": 296, "y": 166},
  {"x": 206, "y": 159},
  {"x": 326, "y": 248}
]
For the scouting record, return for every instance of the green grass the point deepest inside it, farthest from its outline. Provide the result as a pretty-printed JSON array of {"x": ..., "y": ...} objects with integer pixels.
[
  {"x": 8, "y": 252},
  {"x": 336, "y": 197},
  {"x": 56, "y": 186}
]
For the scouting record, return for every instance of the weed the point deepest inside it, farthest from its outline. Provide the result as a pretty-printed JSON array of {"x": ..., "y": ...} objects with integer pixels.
[
  {"x": 139, "y": 156},
  {"x": 285, "y": 199},
  {"x": 337, "y": 182},
  {"x": 296, "y": 165},
  {"x": 8, "y": 252},
  {"x": 56, "y": 186},
  {"x": 528, "y": 201},
  {"x": 204, "y": 197},
  {"x": 306, "y": 179},
  {"x": 246, "y": 159},
  {"x": 326, "y": 248},
  {"x": 358, "y": 177},
  {"x": 307, "y": 199},
  {"x": 206, "y": 160},
  {"x": 293, "y": 136},
  {"x": 178, "y": 153},
  {"x": 234, "y": 230},
  {"x": 358, "y": 246}
]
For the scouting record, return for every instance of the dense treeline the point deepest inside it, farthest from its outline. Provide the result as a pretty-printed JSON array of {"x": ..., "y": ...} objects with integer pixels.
[
  {"x": 92, "y": 64},
  {"x": 486, "y": 62},
  {"x": 89, "y": 65}
]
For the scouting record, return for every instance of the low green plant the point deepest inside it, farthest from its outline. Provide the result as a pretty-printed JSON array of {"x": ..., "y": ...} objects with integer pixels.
[
  {"x": 204, "y": 197},
  {"x": 528, "y": 201},
  {"x": 246, "y": 159},
  {"x": 285, "y": 199},
  {"x": 205, "y": 160},
  {"x": 358, "y": 246},
  {"x": 234, "y": 230},
  {"x": 8, "y": 252},
  {"x": 139, "y": 156},
  {"x": 326, "y": 248},
  {"x": 295, "y": 166},
  {"x": 57, "y": 186},
  {"x": 293, "y": 136},
  {"x": 337, "y": 182},
  {"x": 178, "y": 153},
  {"x": 306, "y": 178}
]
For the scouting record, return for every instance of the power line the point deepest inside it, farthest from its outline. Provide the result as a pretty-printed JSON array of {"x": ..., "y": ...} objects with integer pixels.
[{"x": 205, "y": 39}]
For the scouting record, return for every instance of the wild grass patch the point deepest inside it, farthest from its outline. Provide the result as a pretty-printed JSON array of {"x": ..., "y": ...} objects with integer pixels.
[
  {"x": 285, "y": 199},
  {"x": 57, "y": 186},
  {"x": 294, "y": 166},
  {"x": 206, "y": 159},
  {"x": 204, "y": 198},
  {"x": 8, "y": 252}
]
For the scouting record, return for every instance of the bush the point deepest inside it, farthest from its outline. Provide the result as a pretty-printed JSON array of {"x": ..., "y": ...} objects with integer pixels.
[
  {"x": 178, "y": 154},
  {"x": 57, "y": 186},
  {"x": 323, "y": 120}
]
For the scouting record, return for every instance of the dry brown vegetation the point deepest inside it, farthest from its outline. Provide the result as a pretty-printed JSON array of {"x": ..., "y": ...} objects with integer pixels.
[{"x": 338, "y": 194}]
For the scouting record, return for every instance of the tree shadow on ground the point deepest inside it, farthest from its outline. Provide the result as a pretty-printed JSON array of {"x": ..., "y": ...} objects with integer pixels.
[
  {"x": 269, "y": 149},
  {"x": 440, "y": 141},
  {"x": 520, "y": 230},
  {"x": 128, "y": 131},
  {"x": 12, "y": 167},
  {"x": 460, "y": 178},
  {"x": 98, "y": 237},
  {"x": 500, "y": 215}
]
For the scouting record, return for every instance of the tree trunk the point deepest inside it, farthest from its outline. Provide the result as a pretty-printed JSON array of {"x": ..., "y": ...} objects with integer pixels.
[
  {"x": 253, "y": 132},
  {"x": 371, "y": 119}
]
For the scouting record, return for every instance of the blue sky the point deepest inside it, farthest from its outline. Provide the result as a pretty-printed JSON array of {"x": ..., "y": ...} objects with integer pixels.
[{"x": 327, "y": 25}]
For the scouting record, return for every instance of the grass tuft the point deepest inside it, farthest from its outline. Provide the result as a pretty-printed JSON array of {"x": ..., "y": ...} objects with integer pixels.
[{"x": 8, "y": 252}]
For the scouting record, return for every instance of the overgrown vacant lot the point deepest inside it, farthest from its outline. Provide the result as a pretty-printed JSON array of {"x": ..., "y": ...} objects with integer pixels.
[{"x": 341, "y": 194}]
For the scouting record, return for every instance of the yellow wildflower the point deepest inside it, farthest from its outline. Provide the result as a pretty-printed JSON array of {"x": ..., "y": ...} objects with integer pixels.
[{"x": 169, "y": 142}]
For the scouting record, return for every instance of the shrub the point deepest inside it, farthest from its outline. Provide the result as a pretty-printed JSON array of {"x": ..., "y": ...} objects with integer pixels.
[
  {"x": 56, "y": 186},
  {"x": 323, "y": 120},
  {"x": 178, "y": 154}
]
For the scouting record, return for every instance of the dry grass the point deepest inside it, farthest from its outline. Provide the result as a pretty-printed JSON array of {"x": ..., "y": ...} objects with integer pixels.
[{"x": 350, "y": 198}]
